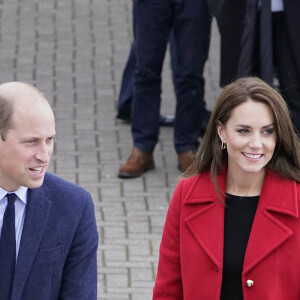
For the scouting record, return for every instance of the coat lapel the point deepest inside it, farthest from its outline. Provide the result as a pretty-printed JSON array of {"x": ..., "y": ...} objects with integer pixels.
[
  {"x": 278, "y": 198},
  {"x": 37, "y": 212},
  {"x": 205, "y": 219}
]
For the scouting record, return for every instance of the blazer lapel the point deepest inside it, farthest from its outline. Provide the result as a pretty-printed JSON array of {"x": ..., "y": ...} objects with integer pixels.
[
  {"x": 206, "y": 216},
  {"x": 268, "y": 232},
  {"x": 37, "y": 212}
]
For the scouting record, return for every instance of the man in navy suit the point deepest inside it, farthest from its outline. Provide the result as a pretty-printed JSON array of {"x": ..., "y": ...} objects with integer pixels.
[{"x": 56, "y": 237}]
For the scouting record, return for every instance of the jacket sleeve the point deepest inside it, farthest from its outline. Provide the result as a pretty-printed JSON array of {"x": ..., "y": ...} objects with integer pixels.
[
  {"x": 79, "y": 279},
  {"x": 168, "y": 284}
]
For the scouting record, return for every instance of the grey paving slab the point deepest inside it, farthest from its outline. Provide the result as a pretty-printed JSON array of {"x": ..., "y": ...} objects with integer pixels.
[{"x": 75, "y": 52}]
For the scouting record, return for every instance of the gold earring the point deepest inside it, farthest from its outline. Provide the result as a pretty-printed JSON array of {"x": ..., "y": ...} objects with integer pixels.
[{"x": 223, "y": 146}]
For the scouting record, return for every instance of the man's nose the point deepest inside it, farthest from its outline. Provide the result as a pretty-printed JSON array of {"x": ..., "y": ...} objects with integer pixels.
[{"x": 44, "y": 152}]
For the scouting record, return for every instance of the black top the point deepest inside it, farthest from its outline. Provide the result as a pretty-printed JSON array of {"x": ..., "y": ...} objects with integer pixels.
[{"x": 239, "y": 215}]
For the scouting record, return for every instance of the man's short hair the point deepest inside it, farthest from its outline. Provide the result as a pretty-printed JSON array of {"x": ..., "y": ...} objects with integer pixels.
[
  {"x": 7, "y": 109},
  {"x": 6, "y": 112}
]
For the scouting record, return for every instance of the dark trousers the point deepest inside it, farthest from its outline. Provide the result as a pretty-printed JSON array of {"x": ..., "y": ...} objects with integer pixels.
[
  {"x": 285, "y": 65},
  {"x": 127, "y": 83},
  {"x": 190, "y": 22},
  {"x": 289, "y": 78},
  {"x": 126, "y": 89}
]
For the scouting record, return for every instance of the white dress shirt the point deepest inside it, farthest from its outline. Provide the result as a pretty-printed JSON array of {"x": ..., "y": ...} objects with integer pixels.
[
  {"x": 276, "y": 5},
  {"x": 20, "y": 209}
]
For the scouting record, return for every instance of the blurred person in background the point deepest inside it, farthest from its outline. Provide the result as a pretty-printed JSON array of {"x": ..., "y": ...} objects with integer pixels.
[
  {"x": 153, "y": 20},
  {"x": 127, "y": 87},
  {"x": 261, "y": 38}
]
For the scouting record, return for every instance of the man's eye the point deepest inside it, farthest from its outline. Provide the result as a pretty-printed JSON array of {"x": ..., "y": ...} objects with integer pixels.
[{"x": 30, "y": 141}]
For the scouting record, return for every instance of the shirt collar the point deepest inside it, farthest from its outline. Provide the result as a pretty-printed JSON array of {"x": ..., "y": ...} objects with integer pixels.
[{"x": 20, "y": 192}]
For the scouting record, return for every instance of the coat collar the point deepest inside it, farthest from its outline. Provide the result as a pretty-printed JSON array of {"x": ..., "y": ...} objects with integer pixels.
[
  {"x": 37, "y": 212},
  {"x": 269, "y": 231},
  {"x": 206, "y": 221}
]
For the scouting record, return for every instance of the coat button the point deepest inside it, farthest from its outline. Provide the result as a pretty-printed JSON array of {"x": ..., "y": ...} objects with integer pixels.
[{"x": 249, "y": 283}]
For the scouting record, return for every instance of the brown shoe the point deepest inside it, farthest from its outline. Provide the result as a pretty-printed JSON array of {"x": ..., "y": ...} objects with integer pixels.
[
  {"x": 185, "y": 159},
  {"x": 137, "y": 163}
]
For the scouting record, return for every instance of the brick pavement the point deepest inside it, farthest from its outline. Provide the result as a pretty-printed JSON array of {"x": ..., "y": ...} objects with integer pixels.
[{"x": 75, "y": 51}]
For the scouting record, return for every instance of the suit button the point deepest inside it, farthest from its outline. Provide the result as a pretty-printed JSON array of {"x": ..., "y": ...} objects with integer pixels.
[{"x": 249, "y": 283}]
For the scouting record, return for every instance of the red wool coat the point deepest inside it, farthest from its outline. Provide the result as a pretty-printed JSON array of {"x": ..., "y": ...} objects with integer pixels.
[{"x": 191, "y": 251}]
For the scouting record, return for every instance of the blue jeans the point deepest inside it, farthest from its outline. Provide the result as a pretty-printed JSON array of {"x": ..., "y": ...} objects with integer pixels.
[{"x": 190, "y": 22}]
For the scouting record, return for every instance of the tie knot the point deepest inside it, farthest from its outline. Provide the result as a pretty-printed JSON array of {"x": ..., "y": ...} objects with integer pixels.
[{"x": 11, "y": 198}]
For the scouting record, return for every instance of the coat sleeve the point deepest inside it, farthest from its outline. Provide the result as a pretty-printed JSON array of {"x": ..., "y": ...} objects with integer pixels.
[
  {"x": 79, "y": 279},
  {"x": 168, "y": 284}
]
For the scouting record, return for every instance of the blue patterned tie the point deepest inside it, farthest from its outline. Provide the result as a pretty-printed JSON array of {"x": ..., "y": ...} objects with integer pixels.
[{"x": 8, "y": 249}]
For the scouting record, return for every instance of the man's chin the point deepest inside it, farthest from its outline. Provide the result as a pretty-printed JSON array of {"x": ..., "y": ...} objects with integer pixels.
[{"x": 34, "y": 184}]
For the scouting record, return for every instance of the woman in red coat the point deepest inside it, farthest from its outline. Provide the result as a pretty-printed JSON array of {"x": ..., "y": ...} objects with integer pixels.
[{"x": 233, "y": 230}]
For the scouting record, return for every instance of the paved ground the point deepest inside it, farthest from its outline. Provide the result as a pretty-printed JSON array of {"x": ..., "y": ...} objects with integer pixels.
[{"x": 75, "y": 51}]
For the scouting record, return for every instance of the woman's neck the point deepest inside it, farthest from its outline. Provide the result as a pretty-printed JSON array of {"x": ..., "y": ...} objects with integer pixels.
[{"x": 249, "y": 184}]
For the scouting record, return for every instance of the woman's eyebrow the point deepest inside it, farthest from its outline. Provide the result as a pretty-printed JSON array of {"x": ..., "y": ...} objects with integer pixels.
[
  {"x": 242, "y": 125},
  {"x": 247, "y": 126},
  {"x": 270, "y": 125}
]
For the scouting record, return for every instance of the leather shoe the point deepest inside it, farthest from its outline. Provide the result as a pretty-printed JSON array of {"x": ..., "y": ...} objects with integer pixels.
[
  {"x": 137, "y": 163},
  {"x": 185, "y": 159}
]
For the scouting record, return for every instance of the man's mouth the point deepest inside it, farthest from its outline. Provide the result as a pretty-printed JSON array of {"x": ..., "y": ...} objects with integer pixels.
[{"x": 37, "y": 170}]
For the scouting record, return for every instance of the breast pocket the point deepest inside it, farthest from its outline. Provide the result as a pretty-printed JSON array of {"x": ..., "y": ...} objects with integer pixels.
[{"x": 49, "y": 255}]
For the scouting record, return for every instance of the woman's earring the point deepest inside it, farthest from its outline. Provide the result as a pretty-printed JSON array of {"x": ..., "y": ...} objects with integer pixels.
[{"x": 223, "y": 146}]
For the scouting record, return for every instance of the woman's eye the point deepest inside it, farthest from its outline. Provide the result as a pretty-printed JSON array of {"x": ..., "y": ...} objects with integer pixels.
[
  {"x": 268, "y": 131},
  {"x": 243, "y": 131}
]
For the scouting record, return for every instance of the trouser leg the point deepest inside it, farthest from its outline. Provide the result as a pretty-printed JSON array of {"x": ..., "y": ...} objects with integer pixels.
[
  {"x": 289, "y": 78},
  {"x": 191, "y": 35},
  {"x": 153, "y": 22},
  {"x": 174, "y": 60},
  {"x": 126, "y": 90}
]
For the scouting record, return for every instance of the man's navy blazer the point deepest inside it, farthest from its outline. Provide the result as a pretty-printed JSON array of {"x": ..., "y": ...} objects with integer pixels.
[{"x": 57, "y": 255}]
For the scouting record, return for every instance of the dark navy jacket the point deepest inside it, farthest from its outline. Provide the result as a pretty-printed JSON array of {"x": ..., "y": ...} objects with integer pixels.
[{"x": 57, "y": 256}]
